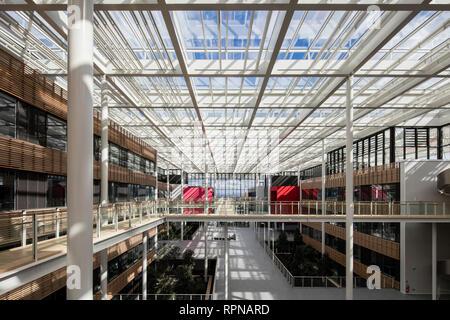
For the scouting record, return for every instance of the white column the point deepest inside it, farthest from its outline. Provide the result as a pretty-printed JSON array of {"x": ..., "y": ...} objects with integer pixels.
[
  {"x": 144, "y": 265},
  {"x": 434, "y": 260},
  {"x": 182, "y": 230},
  {"x": 226, "y": 259},
  {"x": 403, "y": 257},
  {"x": 182, "y": 179},
  {"x": 205, "y": 209},
  {"x": 104, "y": 273},
  {"x": 104, "y": 147},
  {"x": 168, "y": 183},
  {"x": 79, "y": 150},
  {"x": 205, "y": 231},
  {"x": 301, "y": 195},
  {"x": 273, "y": 244},
  {"x": 323, "y": 194},
  {"x": 349, "y": 192},
  {"x": 269, "y": 185},
  {"x": 156, "y": 176},
  {"x": 264, "y": 234}
]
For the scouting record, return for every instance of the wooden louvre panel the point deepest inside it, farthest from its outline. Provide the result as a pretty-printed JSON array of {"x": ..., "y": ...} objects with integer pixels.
[
  {"x": 29, "y": 85},
  {"x": 26, "y": 156},
  {"x": 384, "y": 174},
  {"x": 124, "y": 246},
  {"x": 127, "y": 276},
  {"x": 46, "y": 285},
  {"x": 386, "y": 247},
  {"x": 39, "y": 288},
  {"x": 358, "y": 268}
]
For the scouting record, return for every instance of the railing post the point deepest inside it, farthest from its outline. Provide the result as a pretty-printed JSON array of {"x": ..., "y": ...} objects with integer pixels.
[
  {"x": 116, "y": 217},
  {"x": 24, "y": 228},
  {"x": 35, "y": 237},
  {"x": 98, "y": 220},
  {"x": 443, "y": 208},
  {"x": 390, "y": 208},
  {"x": 129, "y": 215},
  {"x": 57, "y": 223},
  {"x": 140, "y": 213}
]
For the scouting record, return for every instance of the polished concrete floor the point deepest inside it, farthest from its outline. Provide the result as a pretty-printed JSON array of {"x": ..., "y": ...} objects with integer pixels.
[{"x": 253, "y": 276}]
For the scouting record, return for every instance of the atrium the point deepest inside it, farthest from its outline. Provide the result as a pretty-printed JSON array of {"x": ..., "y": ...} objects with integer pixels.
[{"x": 197, "y": 150}]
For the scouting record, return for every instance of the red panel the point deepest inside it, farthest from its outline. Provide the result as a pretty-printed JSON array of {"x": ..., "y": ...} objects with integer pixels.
[
  {"x": 366, "y": 192},
  {"x": 285, "y": 194},
  {"x": 196, "y": 195}
]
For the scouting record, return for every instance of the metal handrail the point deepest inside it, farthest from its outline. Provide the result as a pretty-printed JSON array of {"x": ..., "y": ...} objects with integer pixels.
[
  {"x": 160, "y": 296},
  {"x": 293, "y": 280}
]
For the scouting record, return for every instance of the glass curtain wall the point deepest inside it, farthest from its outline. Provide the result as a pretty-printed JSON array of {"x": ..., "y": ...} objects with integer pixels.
[
  {"x": 387, "y": 146},
  {"x": 226, "y": 185}
]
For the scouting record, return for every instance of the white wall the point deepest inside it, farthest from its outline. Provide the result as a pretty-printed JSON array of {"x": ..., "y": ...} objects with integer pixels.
[{"x": 418, "y": 182}]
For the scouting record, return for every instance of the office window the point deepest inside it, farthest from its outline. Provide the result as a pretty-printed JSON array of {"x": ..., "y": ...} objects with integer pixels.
[
  {"x": 433, "y": 143},
  {"x": 446, "y": 142},
  {"x": 142, "y": 164},
  {"x": 97, "y": 192},
  {"x": 131, "y": 163},
  {"x": 7, "y": 116},
  {"x": 122, "y": 192},
  {"x": 114, "y": 154},
  {"x": 123, "y": 158},
  {"x": 56, "y": 133},
  {"x": 422, "y": 143},
  {"x": 31, "y": 124},
  {"x": 31, "y": 190},
  {"x": 7, "y": 190},
  {"x": 399, "y": 143},
  {"x": 56, "y": 191},
  {"x": 97, "y": 147}
]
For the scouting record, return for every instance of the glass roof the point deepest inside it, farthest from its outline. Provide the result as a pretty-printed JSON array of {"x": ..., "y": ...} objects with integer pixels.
[{"x": 245, "y": 86}]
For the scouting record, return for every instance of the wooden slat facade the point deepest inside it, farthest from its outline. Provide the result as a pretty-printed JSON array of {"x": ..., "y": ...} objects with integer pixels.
[
  {"x": 30, "y": 86},
  {"x": 358, "y": 267},
  {"x": 126, "y": 277},
  {"x": 46, "y": 285},
  {"x": 22, "y": 155},
  {"x": 383, "y": 174},
  {"x": 377, "y": 244}
]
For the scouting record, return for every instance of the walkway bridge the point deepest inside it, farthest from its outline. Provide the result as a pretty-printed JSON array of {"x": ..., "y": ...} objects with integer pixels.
[{"x": 34, "y": 241}]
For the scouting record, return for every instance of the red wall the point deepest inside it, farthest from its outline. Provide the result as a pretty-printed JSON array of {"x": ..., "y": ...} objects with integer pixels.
[
  {"x": 310, "y": 194},
  {"x": 284, "y": 193},
  {"x": 197, "y": 195}
]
